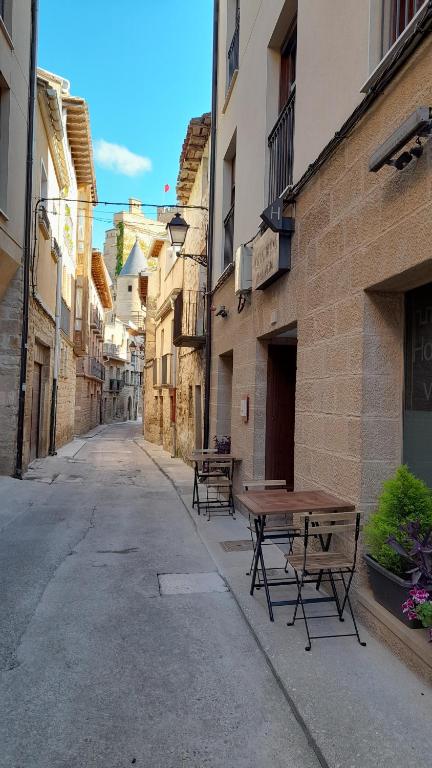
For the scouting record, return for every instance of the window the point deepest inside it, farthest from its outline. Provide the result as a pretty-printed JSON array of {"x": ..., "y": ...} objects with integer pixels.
[
  {"x": 229, "y": 218},
  {"x": 281, "y": 138},
  {"x": 130, "y": 288},
  {"x": 288, "y": 68},
  {"x": 4, "y": 141},
  {"x": 233, "y": 26},
  {"x": 396, "y": 15},
  {"x": 417, "y": 437}
]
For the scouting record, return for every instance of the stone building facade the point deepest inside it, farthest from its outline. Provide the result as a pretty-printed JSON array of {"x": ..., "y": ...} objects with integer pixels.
[
  {"x": 15, "y": 39},
  {"x": 320, "y": 349},
  {"x": 175, "y": 323}
]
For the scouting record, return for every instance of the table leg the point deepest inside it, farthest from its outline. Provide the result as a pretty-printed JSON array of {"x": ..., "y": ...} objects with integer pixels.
[{"x": 259, "y": 533}]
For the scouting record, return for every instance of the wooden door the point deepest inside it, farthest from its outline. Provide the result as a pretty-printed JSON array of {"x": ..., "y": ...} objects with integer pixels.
[
  {"x": 280, "y": 413},
  {"x": 35, "y": 411}
]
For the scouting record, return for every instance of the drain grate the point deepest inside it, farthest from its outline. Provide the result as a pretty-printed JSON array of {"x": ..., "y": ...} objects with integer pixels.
[
  {"x": 190, "y": 583},
  {"x": 240, "y": 545}
]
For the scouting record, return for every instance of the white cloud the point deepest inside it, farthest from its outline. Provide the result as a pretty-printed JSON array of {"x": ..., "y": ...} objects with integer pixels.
[{"x": 120, "y": 159}]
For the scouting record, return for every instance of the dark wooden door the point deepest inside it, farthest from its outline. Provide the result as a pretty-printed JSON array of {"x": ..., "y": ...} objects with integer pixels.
[
  {"x": 35, "y": 411},
  {"x": 280, "y": 413}
]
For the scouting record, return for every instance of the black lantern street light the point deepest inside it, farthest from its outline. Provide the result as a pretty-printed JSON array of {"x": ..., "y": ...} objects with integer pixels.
[{"x": 177, "y": 231}]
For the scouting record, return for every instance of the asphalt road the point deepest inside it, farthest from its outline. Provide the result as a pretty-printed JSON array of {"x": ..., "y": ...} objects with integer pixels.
[{"x": 97, "y": 668}]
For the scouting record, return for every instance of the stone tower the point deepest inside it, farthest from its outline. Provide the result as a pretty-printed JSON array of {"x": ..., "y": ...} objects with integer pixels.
[{"x": 129, "y": 303}]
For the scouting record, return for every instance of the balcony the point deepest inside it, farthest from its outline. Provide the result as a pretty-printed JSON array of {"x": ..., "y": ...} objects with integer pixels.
[
  {"x": 233, "y": 51},
  {"x": 166, "y": 370},
  {"x": 281, "y": 148},
  {"x": 113, "y": 351},
  {"x": 55, "y": 249},
  {"x": 65, "y": 318},
  {"x": 229, "y": 237},
  {"x": 91, "y": 368},
  {"x": 44, "y": 222},
  {"x": 138, "y": 319},
  {"x": 96, "y": 321},
  {"x": 116, "y": 385},
  {"x": 189, "y": 320}
]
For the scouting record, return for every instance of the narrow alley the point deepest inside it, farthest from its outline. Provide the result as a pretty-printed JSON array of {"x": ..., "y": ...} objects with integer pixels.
[{"x": 97, "y": 668}]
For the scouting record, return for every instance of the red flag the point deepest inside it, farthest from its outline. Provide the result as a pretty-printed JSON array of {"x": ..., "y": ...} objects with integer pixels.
[{"x": 166, "y": 188}]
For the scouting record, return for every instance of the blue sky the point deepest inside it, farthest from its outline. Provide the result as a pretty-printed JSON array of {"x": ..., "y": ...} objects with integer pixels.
[{"x": 144, "y": 67}]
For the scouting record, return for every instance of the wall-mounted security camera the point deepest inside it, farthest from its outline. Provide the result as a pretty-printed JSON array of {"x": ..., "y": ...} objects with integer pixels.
[{"x": 222, "y": 311}]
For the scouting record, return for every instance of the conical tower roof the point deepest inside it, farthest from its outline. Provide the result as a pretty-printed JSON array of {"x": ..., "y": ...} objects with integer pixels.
[{"x": 135, "y": 263}]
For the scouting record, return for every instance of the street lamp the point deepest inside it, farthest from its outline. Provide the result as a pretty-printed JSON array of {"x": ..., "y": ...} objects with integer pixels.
[{"x": 177, "y": 231}]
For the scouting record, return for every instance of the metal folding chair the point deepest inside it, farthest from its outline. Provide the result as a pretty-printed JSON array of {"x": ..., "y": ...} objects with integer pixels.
[
  {"x": 277, "y": 527},
  {"x": 334, "y": 566},
  {"x": 202, "y": 472},
  {"x": 217, "y": 482}
]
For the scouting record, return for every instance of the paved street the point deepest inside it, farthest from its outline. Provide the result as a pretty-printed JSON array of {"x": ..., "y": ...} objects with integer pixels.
[{"x": 98, "y": 669}]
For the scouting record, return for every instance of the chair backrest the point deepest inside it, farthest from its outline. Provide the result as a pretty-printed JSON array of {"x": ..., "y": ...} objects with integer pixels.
[
  {"x": 256, "y": 485},
  {"x": 346, "y": 524}
]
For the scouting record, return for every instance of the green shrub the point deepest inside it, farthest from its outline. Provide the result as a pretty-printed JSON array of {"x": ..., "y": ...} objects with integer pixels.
[{"x": 404, "y": 498}]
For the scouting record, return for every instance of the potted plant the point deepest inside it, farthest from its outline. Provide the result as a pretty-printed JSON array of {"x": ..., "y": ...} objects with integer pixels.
[
  {"x": 404, "y": 500},
  {"x": 417, "y": 608},
  {"x": 222, "y": 444}
]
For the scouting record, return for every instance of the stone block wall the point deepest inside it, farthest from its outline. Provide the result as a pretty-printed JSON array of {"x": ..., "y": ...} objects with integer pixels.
[
  {"x": 189, "y": 401},
  {"x": 65, "y": 423},
  {"x": 361, "y": 240},
  {"x": 10, "y": 355},
  {"x": 87, "y": 404},
  {"x": 41, "y": 334}
]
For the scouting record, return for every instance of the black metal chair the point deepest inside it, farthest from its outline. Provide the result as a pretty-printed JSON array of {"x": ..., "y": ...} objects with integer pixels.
[{"x": 335, "y": 567}]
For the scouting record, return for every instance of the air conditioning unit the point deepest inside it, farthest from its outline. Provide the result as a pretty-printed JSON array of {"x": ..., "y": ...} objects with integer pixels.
[{"x": 243, "y": 270}]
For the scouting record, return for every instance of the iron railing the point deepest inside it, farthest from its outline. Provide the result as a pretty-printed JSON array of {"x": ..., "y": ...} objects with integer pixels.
[
  {"x": 55, "y": 249},
  {"x": 229, "y": 237},
  {"x": 166, "y": 370},
  {"x": 112, "y": 350},
  {"x": 65, "y": 318},
  {"x": 189, "y": 316},
  {"x": 89, "y": 366},
  {"x": 96, "y": 321},
  {"x": 44, "y": 222},
  {"x": 281, "y": 146},
  {"x": 401, "y": 13},
  {"x": 138, "y": 319},
  {"x": 233, "y": 50},
  {"x": 115, "y": 385}
]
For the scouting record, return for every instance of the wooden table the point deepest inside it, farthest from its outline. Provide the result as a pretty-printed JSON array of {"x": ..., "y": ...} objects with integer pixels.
[{"x": 263, "y": 504}]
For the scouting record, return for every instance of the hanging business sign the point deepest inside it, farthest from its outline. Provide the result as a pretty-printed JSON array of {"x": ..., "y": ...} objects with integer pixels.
[{"x": 271, "y": 258}]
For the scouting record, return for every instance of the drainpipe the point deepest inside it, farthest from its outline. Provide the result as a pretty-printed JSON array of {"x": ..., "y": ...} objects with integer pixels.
[
  {"x": 53, "y": 417},
  {"x": 27, "y": 241},
  {"x": 173, "y": 414},
  {"x": 210, "y": 234}
]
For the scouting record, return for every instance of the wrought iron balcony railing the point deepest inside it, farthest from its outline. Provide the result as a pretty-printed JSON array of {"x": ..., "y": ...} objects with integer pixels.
[
  {"x": 229, "y": 237},
  {"x": 96, "y": 320},
  {"x": 89, "y": 366},
  {"x": 116, "y": 385},
  {"x": 113, "y": 350},
  {"x": 44, "y": 222},
  {"x": 138, "y": 319},
  {"x": 281, "y": 146},
  {"x": 55, "y": 249},
  {"x": 189, "y": 316}
]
